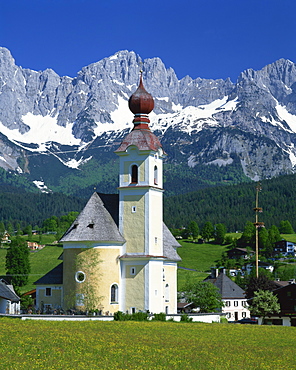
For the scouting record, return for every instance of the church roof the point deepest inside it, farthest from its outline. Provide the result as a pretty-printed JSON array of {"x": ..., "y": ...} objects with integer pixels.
[
  {"x": 7, "y": 292},
  {"x": 98, "y": 221},
  {"x": 169, "y": 245},
  {"x": 144, "y": 139},
  {"x": 53, "y": 277},
  {"x": 227, "y": 288}
]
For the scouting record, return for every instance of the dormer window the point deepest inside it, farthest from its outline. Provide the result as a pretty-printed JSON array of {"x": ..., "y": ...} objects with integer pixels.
[
  {"x": 91, "y": 226},
  {"x": 134, "y": 174}
]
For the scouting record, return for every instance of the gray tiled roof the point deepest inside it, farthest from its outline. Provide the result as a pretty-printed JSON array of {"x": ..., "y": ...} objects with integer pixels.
[
  {"x": 227, "y": 287},
  {"x": 53, "y": 277},
  {"x": 169, "y": 245},
  {"x": 8, "y": 293},
  {"x": 97, "y": 221}
]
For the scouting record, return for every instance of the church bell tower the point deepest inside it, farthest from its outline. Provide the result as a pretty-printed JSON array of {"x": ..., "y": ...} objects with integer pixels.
[{"x": 141, "y": 207}]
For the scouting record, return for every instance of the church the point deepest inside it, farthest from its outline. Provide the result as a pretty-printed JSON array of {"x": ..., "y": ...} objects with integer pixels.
[{"x": 118, "y": 255}]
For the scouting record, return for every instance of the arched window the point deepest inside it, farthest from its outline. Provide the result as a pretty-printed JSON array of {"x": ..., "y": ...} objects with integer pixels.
[
  {"x": 167, "y": 293},
  {"x": 155, "y": 175},
  {"x": 114, "y": 293},
  {"x": 134, "y": 174}
]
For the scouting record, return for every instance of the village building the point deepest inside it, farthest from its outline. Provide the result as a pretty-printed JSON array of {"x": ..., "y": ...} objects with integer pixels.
[
  {"x": 118, "y": 255},
  {"x": 233, "y": 296},
  {"x": 9, "y": 301}
]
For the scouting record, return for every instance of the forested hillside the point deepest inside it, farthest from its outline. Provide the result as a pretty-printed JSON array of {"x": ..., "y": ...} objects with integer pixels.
[
  {"x": 233, "y": 205},
  {"x": 32, "y": 208}
]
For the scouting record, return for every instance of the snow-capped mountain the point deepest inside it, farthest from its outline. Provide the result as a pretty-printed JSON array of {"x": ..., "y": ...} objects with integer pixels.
[{"x": 50, "y": 123}]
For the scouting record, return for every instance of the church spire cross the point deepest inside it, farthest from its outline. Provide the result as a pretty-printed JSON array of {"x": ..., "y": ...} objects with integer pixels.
[{"x": 141, "y": 103}]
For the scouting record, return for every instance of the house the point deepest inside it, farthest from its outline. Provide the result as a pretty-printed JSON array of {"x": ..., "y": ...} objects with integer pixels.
[
  {"x": 285, "y": 248},
  {"x": 118, "y": 255},
  {"x": 265, "y": 265},
  {"x": 5, "y": 238},
  {"x": 287, "y": 299},
  {"x": 237, "y": 253},
  {"x": 235, "y": 302},
  {"x": 9, "y": 301}
]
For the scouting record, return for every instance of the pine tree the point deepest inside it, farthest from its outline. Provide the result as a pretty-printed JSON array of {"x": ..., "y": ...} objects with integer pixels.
[
  {"x": 17, "y": 262},
  {"x": 219, "y": 233}
]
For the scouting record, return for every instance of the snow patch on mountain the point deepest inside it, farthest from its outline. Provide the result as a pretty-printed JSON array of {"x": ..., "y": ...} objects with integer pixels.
[
  {"x": 284, "y": 115},
  {"x": 42, "y": 129},
  {"x": 192, "y": 118},
  {"x": 122, "y": 118}
]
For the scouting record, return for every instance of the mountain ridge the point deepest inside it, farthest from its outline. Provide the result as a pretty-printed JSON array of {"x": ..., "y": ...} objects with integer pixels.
[{"x": 63, "y": 123}]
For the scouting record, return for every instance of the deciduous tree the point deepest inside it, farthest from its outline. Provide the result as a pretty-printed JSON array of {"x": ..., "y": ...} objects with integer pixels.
[
  {"x": 193, "y": 229},
  {"x": 207, "y": 231},
  {"x": 204, "y": 295},
  {"x": 286, "y": 227},
  {"x": 264, "y": 303}
]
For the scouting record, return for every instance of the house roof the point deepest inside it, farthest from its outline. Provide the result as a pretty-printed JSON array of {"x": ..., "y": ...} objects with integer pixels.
[
  {"x": 7, "y": 292},
  {"x": 53, "y": 277},
  {"x": 227, "y": 288},
  {"x": 98, "y": 221}
]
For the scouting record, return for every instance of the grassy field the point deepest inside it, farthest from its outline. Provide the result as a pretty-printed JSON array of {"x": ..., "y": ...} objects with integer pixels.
[
  {"x": 143, "y": 345},
  {"x": 41, "y": 261},
  {"x": 199, "y": 257}
]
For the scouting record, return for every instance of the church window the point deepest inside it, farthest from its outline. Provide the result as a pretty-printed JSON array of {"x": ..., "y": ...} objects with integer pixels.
[
  {"x": 133, "y": 271},
  {"x": 134, "y": 209},
  {"x": 167, "y": 293},
  {"x": 79, "y": 299},
  {"x": 155, "y": 175},
  {"x": 114, "y": 293},
  {"x": 134, "y": 174},
  {"x": 80, "y": 276}
]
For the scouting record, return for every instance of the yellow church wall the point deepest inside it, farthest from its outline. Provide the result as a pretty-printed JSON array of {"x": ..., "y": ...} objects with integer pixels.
[
  {"x": 54, "y": 300},
  {"x": 170, "y": 274},
  {"x": 155, "y": 223},
  {"x": 135, "y": 288},
  {"x": 101, "y": 268},
  {"x": 133, "y": 223},
  {"x": 127, "y": 170}
]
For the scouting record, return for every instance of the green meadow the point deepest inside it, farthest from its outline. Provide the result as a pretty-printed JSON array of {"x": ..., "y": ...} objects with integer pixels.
[{"x": 143, "y": 345}]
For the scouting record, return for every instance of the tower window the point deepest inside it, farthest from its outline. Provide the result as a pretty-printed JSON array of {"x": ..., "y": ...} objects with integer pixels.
[
  {"x": 114, "y": 293},
  {"x": 155, "y": 175},
  {"x": 134, "y": 174},
  {"x": 134, "y": 209},
  {"x": 133, "y": 271}
]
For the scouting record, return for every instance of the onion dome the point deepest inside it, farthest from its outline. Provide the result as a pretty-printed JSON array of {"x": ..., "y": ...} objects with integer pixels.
[{"x": 141, "y": 104}]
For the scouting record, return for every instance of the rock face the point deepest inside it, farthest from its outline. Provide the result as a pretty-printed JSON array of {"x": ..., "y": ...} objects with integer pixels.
[{"x": 204, "y": 121}]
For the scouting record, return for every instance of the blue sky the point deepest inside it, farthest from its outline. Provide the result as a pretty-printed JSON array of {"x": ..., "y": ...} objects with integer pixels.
[{"x": 199, "y": 38}]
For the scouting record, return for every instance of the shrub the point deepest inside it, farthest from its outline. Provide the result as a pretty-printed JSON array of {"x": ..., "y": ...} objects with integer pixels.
[
  {"x": 185, "y": 318},
  {"x": 159, "y": 316},
  {"x": 138, "y": 316}
]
